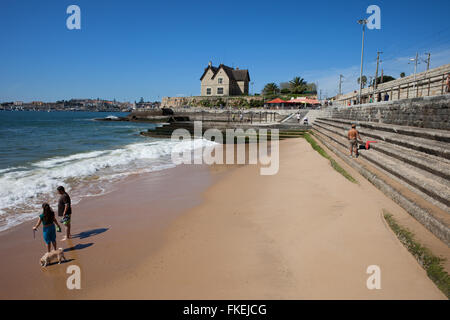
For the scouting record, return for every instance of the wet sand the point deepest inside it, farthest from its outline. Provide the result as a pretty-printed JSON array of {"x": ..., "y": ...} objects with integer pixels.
[
  {"x": 113, "y": 233},
  {"x": 304, "y": 233}
]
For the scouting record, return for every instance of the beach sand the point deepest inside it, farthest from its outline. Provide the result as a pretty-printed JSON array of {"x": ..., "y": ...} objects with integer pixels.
[{"x": 217, "y": 233}]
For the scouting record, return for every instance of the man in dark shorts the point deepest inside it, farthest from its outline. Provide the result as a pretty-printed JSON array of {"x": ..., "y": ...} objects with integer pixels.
[
  {"x": 353, "y": 136},
  {"x": 64, "y": 210}
]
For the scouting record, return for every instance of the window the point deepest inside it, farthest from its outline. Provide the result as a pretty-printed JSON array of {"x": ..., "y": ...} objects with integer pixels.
[
  {"x": 208, "y": 91},
  {"x": 220, "y": 80},
  {"x": 219, "y": 90}
]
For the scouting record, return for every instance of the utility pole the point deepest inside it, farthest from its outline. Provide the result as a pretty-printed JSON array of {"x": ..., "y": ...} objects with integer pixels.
[
  {"x": 428, "y": 60},
  {"x": 363, "y": 22},
  {"x": 382, "y": 74},
  {"x": 415, "y": 67},
  {"x": 340, "y": 83},
  {"x": 376, "y": 72}
]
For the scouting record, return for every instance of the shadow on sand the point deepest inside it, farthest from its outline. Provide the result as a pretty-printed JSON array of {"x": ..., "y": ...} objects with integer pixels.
[
  {"x": 79, "y": 246},
  {"x": 56, "y": 262},
  {"x": 90, "y": 233}
]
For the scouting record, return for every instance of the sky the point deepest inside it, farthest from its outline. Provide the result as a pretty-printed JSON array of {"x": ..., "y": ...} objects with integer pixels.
[{"x": 131, "y": 49}]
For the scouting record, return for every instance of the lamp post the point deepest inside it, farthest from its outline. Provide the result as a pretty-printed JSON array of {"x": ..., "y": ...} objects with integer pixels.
[
  {"x": 415, "y": 68},
  {"x": 362, "y": 22}
]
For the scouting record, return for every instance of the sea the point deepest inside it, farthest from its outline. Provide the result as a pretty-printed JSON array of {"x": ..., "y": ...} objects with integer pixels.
[{"x": 41, "y": 150}]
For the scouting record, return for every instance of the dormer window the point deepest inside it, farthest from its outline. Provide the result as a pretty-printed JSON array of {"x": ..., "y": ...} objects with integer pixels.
[{"x": 220, "y": 80}]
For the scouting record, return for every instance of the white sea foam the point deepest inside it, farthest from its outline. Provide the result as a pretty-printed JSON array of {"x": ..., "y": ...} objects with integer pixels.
[{"x": 22, "y": 190}]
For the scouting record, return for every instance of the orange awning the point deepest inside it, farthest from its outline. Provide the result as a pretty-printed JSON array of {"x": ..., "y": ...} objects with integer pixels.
[{"x": 277, "y": 100}]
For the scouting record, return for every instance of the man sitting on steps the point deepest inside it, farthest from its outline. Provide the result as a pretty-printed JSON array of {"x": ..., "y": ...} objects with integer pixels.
[{"x": 353, "y": 136}]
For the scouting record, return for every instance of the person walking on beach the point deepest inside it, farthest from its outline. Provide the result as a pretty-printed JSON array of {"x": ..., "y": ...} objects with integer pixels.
[
  {"x": 48, "y": 220},
  {"x": 353, "y": 136},
  {"x": 65, "y": 210}
]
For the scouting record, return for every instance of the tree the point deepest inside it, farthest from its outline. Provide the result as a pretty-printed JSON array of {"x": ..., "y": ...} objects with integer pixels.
[
  {"x": 205, "y": 103},
  {"x": 271, "y": 88},
  {"x": 297, "y": 85},
  {"x": 255, "y": 103},
  {"x": 364, "y": 81},
  {"x": 311, "y": 87},
  {"x": 141, "y": 100},
  {"x": 386, "y": 78},
  {"x": 220, "y": 102},
  {"x": 402, "y": 75},
  {"x": 285, "y": 86}
]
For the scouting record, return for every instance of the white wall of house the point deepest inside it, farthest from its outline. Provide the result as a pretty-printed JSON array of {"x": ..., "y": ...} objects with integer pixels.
[{"x": 219, "y": 86}]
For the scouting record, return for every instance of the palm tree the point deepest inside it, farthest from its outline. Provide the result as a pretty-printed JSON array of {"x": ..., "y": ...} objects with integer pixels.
[
  {"x": 364, "y": 81},
  {"x": 298, "y": 85},
  {"x": 271, "y": 88}
]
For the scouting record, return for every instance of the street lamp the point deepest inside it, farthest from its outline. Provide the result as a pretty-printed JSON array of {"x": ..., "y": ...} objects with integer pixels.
[
  {"x": 415, "y": 68},
  {"x": 362, "y": 22}
]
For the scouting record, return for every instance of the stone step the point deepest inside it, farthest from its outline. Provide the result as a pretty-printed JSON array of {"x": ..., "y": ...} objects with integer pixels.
[
  {"x": 292, "y": 118},
  {"x": 434, "y": 189},
  {"x": 432, "y": 147},
  {"x": 431, "y": 216},
  {"x": 427, "y": 133},
  {"x": 433, "y": 164}
]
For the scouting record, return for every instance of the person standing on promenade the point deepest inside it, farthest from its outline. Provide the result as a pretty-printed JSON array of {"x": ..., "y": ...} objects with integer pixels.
[
  {"x": 353, "y": 136},
  {"x": 298, "y": 117},
  {"x": 65, "y": 210}
]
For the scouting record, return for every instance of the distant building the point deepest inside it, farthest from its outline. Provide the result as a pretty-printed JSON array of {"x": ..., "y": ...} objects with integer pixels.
[{"x": 224, "y": 81}]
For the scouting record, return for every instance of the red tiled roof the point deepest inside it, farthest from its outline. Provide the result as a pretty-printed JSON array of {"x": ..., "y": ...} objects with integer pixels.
[{"x": 277, "y": 100}]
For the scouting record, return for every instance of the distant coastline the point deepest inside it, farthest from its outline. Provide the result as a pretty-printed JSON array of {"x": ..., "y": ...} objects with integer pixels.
[{"x": 89, "y": 105}]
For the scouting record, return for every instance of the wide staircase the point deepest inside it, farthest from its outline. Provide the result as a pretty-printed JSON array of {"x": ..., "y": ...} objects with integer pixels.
[
  {"x": 285, "y": 131},
  {"x": 292, "y": 118},
  {"x": 411, "y": 165}
]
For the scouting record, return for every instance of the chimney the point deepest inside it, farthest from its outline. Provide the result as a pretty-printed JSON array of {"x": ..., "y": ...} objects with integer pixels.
[{"x": 210, "y": 64}]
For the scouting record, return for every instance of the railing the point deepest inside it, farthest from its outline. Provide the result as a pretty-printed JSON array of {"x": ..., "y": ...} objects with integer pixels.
[{"x": 428, "y": 83}]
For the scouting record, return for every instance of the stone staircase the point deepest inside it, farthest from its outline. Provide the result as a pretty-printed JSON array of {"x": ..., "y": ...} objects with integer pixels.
[
  {"x": 292, "y": 118},
  {"x": 315, "y": 114},
  {"x": 286, "y": 131},
  {"x": 411, "y": 165}
]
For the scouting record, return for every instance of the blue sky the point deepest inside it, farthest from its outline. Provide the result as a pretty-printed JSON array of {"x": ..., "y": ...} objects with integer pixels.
[{"x": 129, "y": 49}]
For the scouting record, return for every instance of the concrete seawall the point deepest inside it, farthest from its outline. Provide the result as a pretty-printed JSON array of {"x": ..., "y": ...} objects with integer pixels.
[{"x": 424, "y": 112}]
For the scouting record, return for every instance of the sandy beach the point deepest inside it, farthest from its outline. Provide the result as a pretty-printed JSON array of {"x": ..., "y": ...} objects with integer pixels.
[{"x": 199, "y": 232}]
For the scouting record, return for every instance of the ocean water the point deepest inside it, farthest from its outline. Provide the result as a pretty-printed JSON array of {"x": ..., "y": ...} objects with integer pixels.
[{"x": 42, "y": 150}]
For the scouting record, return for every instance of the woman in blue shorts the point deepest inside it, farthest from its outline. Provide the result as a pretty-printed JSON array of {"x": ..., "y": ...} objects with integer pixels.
[{"x": 48, "y": 220}]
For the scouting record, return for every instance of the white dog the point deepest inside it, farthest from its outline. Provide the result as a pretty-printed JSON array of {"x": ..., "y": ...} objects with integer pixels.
[{"x": 52, "y": 255}]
